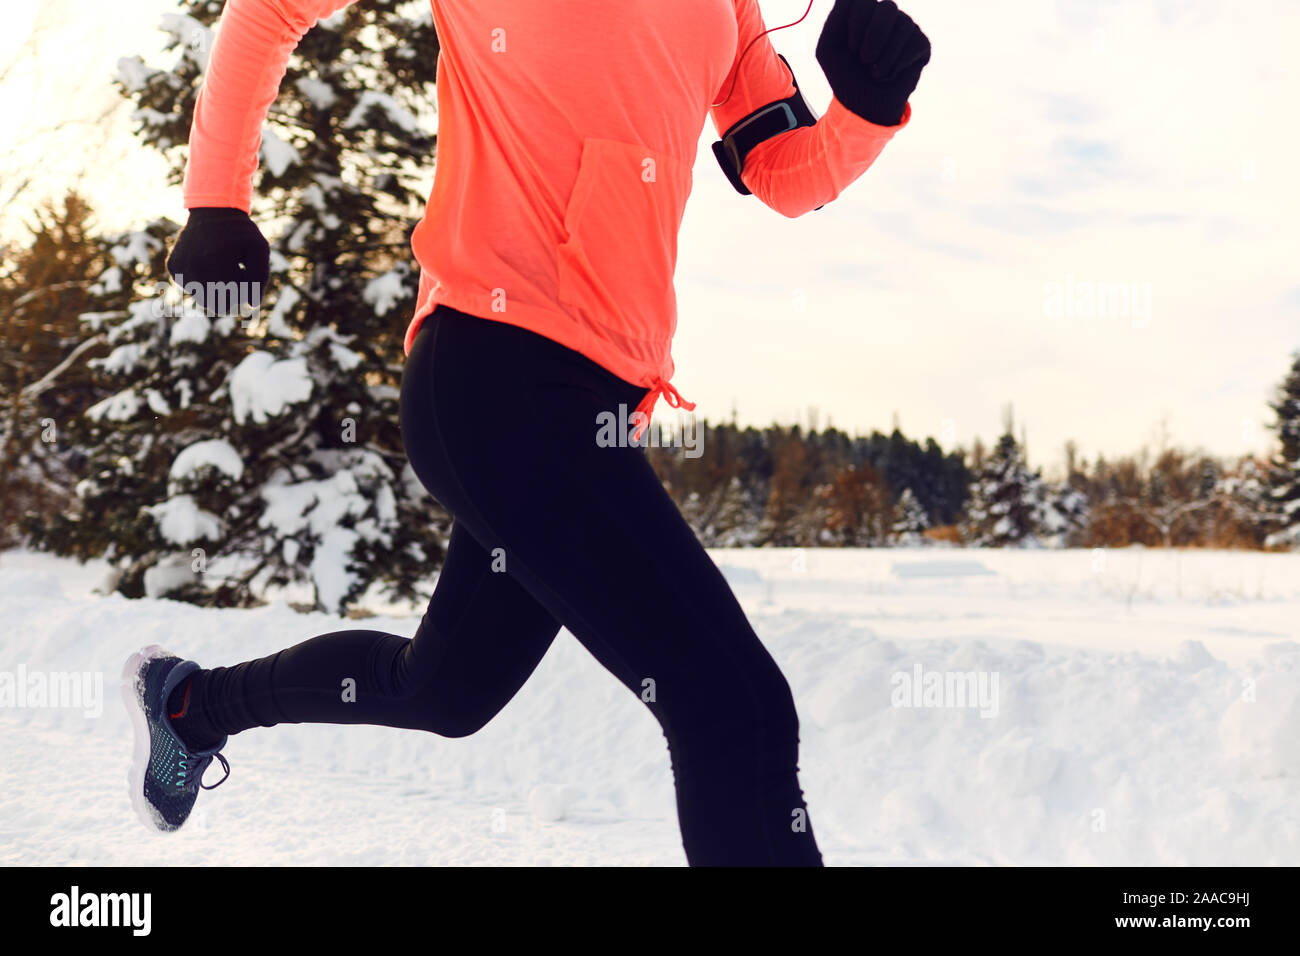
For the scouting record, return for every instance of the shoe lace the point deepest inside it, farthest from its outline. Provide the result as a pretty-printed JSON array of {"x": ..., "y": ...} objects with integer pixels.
[
  {"x": 225, "y": 766},
  {"x": 196, "y": 771}
]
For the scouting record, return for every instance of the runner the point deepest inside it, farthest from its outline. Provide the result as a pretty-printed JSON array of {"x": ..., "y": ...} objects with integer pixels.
[{"x": 567, "y": 135}]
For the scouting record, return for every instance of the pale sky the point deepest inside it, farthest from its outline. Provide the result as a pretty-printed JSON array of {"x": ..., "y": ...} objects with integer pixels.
[{"x": 1145, "y": 149}]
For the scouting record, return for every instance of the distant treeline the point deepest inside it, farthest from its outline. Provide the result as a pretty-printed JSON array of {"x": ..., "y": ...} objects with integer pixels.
[
  {"x": 787, "y": 486},
  {"x": 783, "y": 486}
]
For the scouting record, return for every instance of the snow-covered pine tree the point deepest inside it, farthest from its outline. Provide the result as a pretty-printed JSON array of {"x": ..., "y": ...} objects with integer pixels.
[
  {"x": 1284, "y": 470},
  {"x": 237, "y": 454},
  {"x": 1063, "y": 514},
  {"x": 910, "y": 521},
  {"x": 735, "y": 522},
  {"x": 1006, "y": 501},
  {"x": 1241, "y": 513},
  {"x": 725, "y": 516}
]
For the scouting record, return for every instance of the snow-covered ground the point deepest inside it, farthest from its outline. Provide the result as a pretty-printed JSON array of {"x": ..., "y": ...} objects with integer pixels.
[{"x": 1138, "y": 707}]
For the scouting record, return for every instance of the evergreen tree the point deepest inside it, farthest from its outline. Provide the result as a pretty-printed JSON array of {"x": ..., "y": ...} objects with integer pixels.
[
  {"x": 1284, "y": 472},
  {"x": 781, "y": 486},
  {"x": 1007, "y": 500},
  {"x": 240, "y": 453},
  {"x": 910, "y": 520},
  {"x": 733, "y": 520},
  {"x": 1063, "y": 515}
]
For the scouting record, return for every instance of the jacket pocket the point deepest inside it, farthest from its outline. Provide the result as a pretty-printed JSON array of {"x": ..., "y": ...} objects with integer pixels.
[{"x": 617, "y": 261}]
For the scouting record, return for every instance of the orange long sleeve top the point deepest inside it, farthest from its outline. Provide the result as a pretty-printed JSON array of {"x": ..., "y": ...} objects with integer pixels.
[{"x": 567, "y": 132}]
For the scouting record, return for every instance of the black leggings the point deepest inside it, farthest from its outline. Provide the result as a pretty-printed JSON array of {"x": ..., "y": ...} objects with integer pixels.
[{"x": 552, "y": 529}]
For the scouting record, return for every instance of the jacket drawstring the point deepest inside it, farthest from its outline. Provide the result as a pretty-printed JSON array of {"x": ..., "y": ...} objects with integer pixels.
[{"x": 658, "y": 387}]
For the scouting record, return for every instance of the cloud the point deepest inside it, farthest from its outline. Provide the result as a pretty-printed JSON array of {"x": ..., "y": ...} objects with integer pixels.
[{"x": 1076, "y": 139}]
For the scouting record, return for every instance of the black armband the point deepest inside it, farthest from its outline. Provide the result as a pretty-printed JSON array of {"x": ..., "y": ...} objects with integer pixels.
[{"x": 762, "y": 124}]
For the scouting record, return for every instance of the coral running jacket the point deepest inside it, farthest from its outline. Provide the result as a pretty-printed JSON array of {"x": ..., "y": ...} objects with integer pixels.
[{"x": 566, "y": 137}]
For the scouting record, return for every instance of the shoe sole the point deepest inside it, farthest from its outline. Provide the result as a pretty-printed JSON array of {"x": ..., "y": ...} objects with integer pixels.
[{"x": 133, "y": 698}]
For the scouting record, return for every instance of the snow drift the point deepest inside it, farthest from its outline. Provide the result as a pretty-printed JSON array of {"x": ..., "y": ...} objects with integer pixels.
[{"x": 1069, "y": 707}]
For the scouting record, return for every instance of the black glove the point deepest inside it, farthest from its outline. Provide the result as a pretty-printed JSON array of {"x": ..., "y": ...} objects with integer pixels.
[
  {"x": 220, "y": 246},
  {"x": 872, "y": 54}
]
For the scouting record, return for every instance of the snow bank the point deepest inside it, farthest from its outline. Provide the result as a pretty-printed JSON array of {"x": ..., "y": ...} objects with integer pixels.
[{"x": 1055, "y": 708}]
